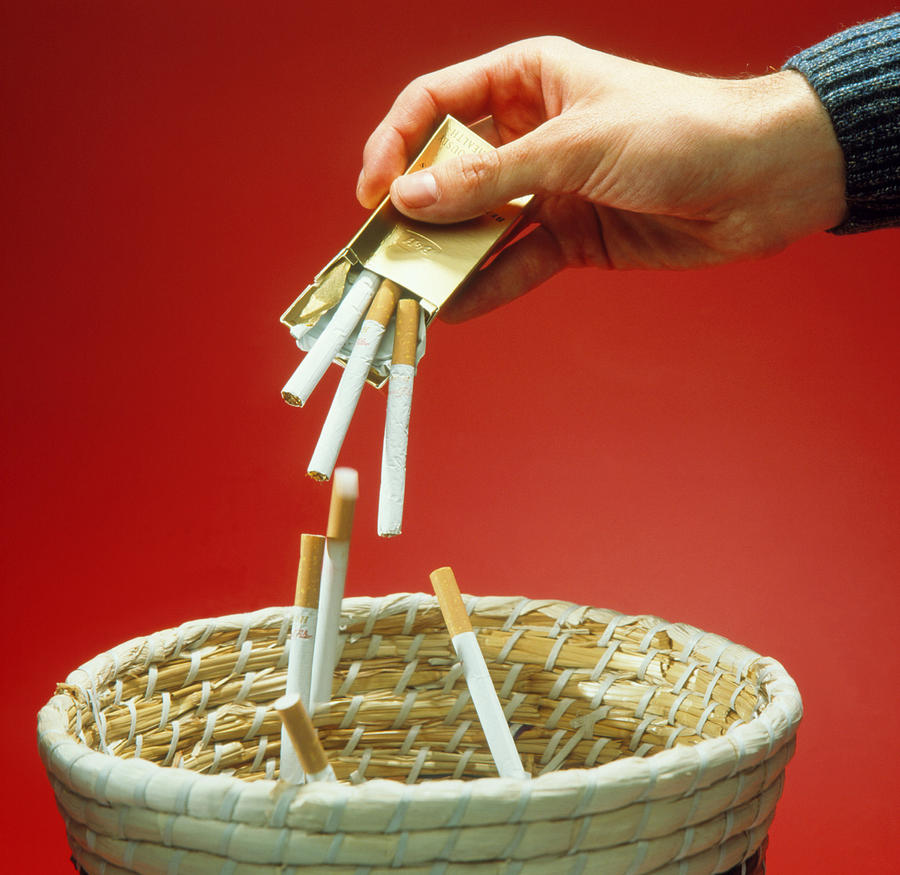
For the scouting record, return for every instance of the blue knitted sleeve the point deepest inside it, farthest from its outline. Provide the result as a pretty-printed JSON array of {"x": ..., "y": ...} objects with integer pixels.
[{"x": 856, "y": 74}]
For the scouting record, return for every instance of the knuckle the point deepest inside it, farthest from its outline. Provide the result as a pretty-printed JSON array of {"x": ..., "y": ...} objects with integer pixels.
[
  {"x": 559, "y": 43},
  {"x": 417, "y": 86},
  {"x": 547, "y": 43},
  {"x": 479, "y": 173},
  {"x": 416, "y": 100},
  {"x": 555, "y": 49}
]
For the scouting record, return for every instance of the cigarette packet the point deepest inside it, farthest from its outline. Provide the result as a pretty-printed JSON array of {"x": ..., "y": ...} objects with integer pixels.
[{"x": 429, "y": 261}]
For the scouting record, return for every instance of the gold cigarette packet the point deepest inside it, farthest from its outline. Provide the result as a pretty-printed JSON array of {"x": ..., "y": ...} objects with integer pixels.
[{"x": 429, "y": 261}]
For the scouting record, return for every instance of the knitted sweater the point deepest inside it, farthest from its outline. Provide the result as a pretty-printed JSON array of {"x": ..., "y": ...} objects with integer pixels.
[{"x": 856, "y": 74}]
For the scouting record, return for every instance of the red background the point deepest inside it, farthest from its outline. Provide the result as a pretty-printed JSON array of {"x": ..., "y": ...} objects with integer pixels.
[{"x": 718, "y": 447}]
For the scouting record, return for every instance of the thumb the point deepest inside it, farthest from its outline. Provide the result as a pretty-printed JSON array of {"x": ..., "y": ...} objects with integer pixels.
[{"x": 469, "y": 185}]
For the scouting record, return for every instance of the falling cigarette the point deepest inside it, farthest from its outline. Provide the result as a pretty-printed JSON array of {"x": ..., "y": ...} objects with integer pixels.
[
  {"x": 344, "y": 492},
  {"x": 396, "y": 424},
  {"x": 304, "y": 738},
  {"x": 481, "y": 687},
  {"x": 352, "y": 381},
  {"x": 300, "y": 645},
  {"x": 350, "y": 310}
]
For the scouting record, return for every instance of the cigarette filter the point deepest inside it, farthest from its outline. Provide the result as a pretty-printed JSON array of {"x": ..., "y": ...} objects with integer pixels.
[
  {"x": 344, "y": 493},
  {"x": 300, "y": 644},
  {"x": 304, "y": 738},
  {"x": 302, "y": 382},
  {"x": 396, "y": 424},
  {"x": 478, "y": 678},
  {"x": 352, "y": 381}
]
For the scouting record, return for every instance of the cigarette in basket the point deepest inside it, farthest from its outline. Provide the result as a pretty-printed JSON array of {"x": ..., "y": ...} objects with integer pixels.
[
  {"x": 300, "y": 645},
  {"x": 481, "y": 687},
  {"x": 352, "y": 381},
  {"x": 345, "y": 318},
  {"x": 344, "y": 492},
  {"x": 396, "y": 423},
  {"x": 304, "y": 738}
]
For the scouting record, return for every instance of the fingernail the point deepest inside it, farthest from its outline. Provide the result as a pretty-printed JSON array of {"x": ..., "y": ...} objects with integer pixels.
[
  {"x": 360, "y": 183},
  {"x": 417, "y": 190}
]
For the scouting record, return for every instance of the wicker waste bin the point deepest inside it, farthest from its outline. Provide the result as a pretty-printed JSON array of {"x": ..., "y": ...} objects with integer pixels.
[{"x": 654, "y": 746}]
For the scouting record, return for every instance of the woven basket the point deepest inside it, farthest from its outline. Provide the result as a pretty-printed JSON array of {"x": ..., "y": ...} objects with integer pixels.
[{"x": 655, "y": 747}]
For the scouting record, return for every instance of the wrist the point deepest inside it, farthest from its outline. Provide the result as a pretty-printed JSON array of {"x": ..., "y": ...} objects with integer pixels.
[{"x": 799, "y": 162}]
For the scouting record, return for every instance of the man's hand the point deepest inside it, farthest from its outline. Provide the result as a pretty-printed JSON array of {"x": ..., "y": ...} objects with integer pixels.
[{"x": 632, "y": 166}]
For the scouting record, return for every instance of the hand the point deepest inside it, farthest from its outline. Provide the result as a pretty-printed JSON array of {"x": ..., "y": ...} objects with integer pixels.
[{"x": 632, "y": 166}]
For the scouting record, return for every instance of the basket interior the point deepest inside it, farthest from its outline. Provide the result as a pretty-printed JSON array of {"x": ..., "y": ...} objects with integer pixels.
[{"x": 580, "y": 687}]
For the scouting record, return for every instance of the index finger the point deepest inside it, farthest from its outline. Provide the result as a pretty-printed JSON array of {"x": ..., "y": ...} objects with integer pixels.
[{"x": 469, "y": 91}]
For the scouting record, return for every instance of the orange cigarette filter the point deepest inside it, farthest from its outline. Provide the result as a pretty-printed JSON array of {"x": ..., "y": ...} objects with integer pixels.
[
  {"x": 309, "y": 572},
  {"x": 385, "y": 302},
  {"x": 406, "y": 338},
  {"x": 450, "y": 600},
  {"x": 344, "y": 493},
  {"x": 302, "y": 733}
]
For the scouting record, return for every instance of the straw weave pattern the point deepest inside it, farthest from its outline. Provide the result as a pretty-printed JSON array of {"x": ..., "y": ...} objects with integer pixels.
[{"x": 655, "y": 748}]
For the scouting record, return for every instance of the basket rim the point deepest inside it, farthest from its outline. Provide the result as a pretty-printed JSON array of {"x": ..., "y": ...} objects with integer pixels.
[{"x": 623, "y": 781}]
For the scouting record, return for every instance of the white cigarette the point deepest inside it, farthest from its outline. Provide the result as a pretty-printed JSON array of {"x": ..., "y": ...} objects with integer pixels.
[
  {"x": 303, "y": 738},
  {"x": 344, "y": 319},
  {"x": 344, "y": 492},
  {"x": 300, "y": 644},
  {"x": 478, "y": 679},
  {"x": 396, "y": 422},
  {"x": 352, "y": 381}
]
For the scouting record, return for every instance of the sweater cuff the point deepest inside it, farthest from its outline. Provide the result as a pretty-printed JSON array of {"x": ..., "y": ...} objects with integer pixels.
[{"x": 856, "y": 74}]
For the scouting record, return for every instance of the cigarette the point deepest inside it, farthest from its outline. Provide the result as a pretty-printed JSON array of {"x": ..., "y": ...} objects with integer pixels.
[
  {"x": 344, "y": 492},
  {"x": 304, "y": 738},
  {"x": 478, "y": 679},
  {"x": 352, "y": 381},
  {"x": 396, "y": 424},
  {"x": 300, "y": 645},
  {"x": 346, "y": 317}
]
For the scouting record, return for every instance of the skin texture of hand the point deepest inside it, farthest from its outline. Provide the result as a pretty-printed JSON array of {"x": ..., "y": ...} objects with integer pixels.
[{"x": 632, "y": 166}]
